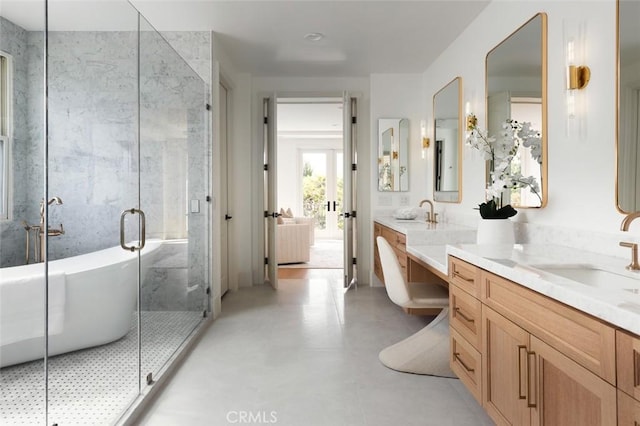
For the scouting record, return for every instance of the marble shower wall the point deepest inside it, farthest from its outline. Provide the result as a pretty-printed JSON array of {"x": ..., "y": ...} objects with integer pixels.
[
  {"x": 94, "y": 161},
  {"x": 26, "y": 49}
]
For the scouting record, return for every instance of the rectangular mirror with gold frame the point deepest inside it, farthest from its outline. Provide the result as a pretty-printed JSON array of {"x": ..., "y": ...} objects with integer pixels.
[
  {"x": 393, "y": 150},
  {"x": 628, "y": 134},
  {"x": 516, "y": 89},
  {"x": 448, "y": 128}
]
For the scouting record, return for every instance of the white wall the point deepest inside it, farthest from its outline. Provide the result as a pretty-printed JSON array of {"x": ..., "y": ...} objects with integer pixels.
[
  {"x": 318, "y": 86},
  {"x": 239, "y": 196},
  {"x": 397, "y": 96},
  {"x": 581, "y": 172}
]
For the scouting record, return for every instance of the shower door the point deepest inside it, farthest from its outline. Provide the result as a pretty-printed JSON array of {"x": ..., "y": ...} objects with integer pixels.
[
  {"x": 173, "y": 195},
  {"x": 22, "y": 394},
  {"x": 91, "y": 172}
]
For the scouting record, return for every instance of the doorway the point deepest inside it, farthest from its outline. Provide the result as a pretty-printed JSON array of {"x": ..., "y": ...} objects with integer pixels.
[{"x": 310, "y": 178}]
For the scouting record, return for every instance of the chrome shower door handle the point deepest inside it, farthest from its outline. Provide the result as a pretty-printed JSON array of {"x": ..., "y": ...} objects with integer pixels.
[{"x": 143, "y": 230}]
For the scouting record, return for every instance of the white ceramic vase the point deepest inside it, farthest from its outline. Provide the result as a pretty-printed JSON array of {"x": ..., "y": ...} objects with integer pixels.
[{"x": 495, "y": 231}]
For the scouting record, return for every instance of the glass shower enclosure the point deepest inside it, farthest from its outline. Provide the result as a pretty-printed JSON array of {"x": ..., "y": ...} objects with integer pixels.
[{"x": 104, "y": 241}]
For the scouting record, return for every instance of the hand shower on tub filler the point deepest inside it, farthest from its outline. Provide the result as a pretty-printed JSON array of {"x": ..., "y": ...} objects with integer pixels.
[{"x": 38, "y": 231}]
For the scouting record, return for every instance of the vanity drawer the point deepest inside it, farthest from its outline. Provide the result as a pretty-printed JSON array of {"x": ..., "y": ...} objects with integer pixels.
[
  {"x": 628, "y": 363},
  {"x": 395, "y": 239},
  {"x": 401, "y": 242},
  {"x": 466, "y": 363},
  {"x": 587, "y": 340},
  {"x": 465, "y": 315},
  {"x": 628, "y": 410},
  {"x": 465, "y": 276},
  {"x": 402, "y": 260}
]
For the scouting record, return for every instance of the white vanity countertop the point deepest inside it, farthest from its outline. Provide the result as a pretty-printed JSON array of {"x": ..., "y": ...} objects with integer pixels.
[
  {"x": 421, "y": 233},
  {"x": 518, "y": 263},
  {"x": 433, "y": 255},
  {"x": 521, "y": 263}
]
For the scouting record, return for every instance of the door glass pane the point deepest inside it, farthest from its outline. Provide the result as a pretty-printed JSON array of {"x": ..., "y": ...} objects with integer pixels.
[
  {"x": 92, "y": 177},
  {"x": 22, "y": 349},
  {"x": 173, "y": 190},
  {"x": 314, "y": 188}
]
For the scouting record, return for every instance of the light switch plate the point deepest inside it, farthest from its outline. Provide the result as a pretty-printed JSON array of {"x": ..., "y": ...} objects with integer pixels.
[{"x": 195, "y": 206}]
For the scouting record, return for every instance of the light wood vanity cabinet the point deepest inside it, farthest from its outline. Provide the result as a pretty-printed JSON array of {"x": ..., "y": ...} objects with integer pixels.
[
  {"x": 399, "y": 243},
  {"x": 628, "y": 363},
  {"x": 542, "y": 362},
  {"x": 465, "y": 320}
]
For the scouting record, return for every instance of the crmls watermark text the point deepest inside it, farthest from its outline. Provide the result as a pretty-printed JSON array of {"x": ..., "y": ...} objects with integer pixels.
[{"x": 252, "y": 417}]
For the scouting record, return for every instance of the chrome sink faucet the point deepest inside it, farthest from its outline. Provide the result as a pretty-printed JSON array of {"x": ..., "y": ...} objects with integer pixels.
[
  {"x": 626, "y": 222},
  {"x": 431, "y": 217}
]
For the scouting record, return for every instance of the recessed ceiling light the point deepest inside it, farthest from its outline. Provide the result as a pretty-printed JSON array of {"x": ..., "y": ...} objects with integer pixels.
[{"x": 314, "y": 36}]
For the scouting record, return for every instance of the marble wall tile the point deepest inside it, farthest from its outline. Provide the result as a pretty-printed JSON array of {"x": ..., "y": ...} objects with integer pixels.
[
  {"x": 27, "y": 178},
  {"x": 94, "y": 161}
]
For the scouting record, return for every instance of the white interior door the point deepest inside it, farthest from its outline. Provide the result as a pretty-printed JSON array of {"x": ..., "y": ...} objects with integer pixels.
[
  {"x": 349, "y": 190},
  {"x": 270, "y": 190},
  {"x": 224, "y": 188}
]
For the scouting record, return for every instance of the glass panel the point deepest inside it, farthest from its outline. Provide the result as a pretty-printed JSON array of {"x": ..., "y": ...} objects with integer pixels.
[
  {"x": 314, "y": 188},
  {"x": 173, "y": 190},
  {"x": 22, "y": 349},
  {"x": 92, "y": 177}
]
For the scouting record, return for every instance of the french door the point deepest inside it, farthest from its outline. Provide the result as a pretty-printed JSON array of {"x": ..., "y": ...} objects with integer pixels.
[
  {"x": 345, "y": 211},
  {"x": 322, "y": 191}
]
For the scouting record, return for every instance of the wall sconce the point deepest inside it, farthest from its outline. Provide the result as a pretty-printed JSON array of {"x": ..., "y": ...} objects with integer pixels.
[
  {"x": 471, "y": 119},
  {"x": 577, "y": 75},
  {"x": 577, "y": 78},
  {"x": 425, "y": 139}
]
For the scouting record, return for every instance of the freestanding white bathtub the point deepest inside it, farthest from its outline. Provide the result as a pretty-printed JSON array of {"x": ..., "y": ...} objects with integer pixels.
[{"x": 95, "y": 304}]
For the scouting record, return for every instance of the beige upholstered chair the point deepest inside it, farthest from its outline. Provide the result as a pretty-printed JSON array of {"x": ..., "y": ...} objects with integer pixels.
[{"x": 423, "y": 297}]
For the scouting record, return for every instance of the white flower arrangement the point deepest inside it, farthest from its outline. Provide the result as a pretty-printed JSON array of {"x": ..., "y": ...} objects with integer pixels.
[{"x": 500, "y": 151}]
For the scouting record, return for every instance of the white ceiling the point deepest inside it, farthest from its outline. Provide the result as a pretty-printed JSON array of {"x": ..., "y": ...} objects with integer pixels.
[
  {"x": 310, "y": 119},
  {"x": 266, "y": 38}
]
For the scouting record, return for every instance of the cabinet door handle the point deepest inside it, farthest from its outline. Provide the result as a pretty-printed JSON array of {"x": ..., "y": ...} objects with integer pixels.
[
  {"x": 466, "y": 318},
  {"x": 521, "y": 395},
  {"x": 531, "y": 381},
  {"x": 466, "y": 367},
  {"x": 459, "y": 275},
  {"x": 636, "y": 368}
]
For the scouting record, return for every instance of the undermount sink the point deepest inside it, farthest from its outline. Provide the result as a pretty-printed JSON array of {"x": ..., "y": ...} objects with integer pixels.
[{"x": 594, "y": 276}]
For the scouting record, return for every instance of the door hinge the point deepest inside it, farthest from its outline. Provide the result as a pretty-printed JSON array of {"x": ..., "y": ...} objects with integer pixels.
[
  {"x": 266, "y": 214},
  {"x": 208, "y": 290},
  {"x": 354, "y": 167},
  {"x": 150, "y": 379},
  {"x": 208, "y": 107},
  {"x": 204, "y": 314},
  {"x": 266, "y": 167},
  {"x": 354, "y": 261},
  {"x": 266, "y": 120},
  {"x": 354, "y": 120},
  {"x": 208, "y": 198},
  {"x": 266, "y": 260}
]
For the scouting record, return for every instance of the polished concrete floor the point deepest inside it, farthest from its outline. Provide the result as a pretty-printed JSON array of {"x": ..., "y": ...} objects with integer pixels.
[{"x": 307, "y": 354}]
